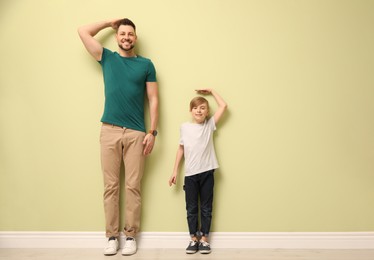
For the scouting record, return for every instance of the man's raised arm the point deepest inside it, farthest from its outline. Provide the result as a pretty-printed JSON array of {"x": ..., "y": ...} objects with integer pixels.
[{"x": 87, "y": 33}]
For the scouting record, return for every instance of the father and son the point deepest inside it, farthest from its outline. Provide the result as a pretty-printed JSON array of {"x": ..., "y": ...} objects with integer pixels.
[{"x": 128, "y": 79}]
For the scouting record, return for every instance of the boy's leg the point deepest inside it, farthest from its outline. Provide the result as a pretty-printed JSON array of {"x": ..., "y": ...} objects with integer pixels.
[
  {"x": 206, "y": 206},
  {"x": 191, "y": 188},
  {"x": 206, "y": 201}
]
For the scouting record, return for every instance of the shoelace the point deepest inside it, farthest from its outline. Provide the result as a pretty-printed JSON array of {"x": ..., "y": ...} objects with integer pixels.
[
  {"x": 192, "y": 243},
  {"x": 111, "y": 244},
  {"x": 204, "y": 243},
  {"x": 129, "y": 243}
]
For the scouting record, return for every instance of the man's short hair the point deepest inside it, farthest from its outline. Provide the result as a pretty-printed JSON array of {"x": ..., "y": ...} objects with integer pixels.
[{"x": 127, "y": 21}]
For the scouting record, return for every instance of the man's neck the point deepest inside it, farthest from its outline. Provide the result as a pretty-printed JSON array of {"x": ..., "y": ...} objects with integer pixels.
[{"x": 127, "y": 54}]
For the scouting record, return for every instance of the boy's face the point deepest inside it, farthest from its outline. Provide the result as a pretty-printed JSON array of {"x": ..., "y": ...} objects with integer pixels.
[
  {"x": 126, "y": 37},
  {"x": 199, "y": 113}
]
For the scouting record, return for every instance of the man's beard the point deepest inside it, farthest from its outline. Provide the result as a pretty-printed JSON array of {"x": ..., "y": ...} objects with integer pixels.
[{"x": 129, "y": 49}]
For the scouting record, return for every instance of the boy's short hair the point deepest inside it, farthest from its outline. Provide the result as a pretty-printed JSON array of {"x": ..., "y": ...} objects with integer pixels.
[
  {"x": 127, "y": 21},
  {"x": 197, "y": 101}
]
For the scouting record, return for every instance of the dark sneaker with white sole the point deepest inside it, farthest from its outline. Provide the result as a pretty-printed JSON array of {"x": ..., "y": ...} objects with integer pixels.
[
  {"x": 192, "y": 248},
  {"x": 204, "y": 247}
]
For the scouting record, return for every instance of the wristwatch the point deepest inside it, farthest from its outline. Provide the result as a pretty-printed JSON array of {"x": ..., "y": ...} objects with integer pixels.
[{"x": 153, "y": 132}]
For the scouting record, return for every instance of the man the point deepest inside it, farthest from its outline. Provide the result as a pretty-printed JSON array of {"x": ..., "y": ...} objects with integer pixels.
[{"x": 128, "y": 77}]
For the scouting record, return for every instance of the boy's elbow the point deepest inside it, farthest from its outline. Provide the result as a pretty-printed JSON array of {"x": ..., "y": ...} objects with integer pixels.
[{"x": 80, "y": 30}]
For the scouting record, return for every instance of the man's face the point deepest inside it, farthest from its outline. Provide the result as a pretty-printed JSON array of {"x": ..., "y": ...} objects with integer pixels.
[{"x": 126, "y": 37}]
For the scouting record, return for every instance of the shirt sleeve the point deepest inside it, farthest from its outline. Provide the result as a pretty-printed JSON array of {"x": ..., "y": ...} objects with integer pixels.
[
  {"x": 104, "y": 55},
  {"x": 212, "y": 124},
  {"x": 181, "y": 136},
  {"x": 151, "y": 75}
]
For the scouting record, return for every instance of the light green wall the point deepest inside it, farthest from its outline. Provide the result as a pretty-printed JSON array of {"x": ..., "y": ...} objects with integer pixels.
[{"x": 296, "y": 147}]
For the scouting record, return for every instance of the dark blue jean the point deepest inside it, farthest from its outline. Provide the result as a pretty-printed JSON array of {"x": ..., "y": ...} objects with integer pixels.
[{"x": 199, "y": 191}]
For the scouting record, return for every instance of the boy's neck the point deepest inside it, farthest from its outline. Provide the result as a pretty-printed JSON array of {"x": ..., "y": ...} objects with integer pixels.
[{"x": 196, "y": 122}]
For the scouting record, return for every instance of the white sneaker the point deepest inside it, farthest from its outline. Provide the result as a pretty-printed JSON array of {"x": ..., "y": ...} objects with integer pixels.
[
  {"x": 112, "y": 247},
  {"x": 130, "y": 246}
]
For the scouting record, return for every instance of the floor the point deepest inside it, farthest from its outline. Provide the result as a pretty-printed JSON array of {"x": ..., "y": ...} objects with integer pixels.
[{"x": 177, "y": 254}]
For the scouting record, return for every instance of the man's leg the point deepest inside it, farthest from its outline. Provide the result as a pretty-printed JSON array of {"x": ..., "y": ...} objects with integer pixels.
[
  {"x": 111, "y": 158},
  {"x": 134, "y": 167}
]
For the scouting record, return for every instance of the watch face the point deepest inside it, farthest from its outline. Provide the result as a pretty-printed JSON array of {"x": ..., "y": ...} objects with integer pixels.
[{"x": 153, "y": 132}]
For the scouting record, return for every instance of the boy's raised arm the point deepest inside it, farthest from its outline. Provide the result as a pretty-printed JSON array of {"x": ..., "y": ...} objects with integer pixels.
[{"x": 222, "y": 105}]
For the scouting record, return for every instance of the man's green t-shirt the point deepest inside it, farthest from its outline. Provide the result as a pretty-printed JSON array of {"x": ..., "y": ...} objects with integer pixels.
[{"x": 125, "y": 87}]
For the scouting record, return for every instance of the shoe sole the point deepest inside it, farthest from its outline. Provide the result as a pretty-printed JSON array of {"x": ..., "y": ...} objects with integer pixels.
[
  {"x": 191, "y": 252},
  {"x": 132, "y": 253},
  {"x": 110, "y": 253}
]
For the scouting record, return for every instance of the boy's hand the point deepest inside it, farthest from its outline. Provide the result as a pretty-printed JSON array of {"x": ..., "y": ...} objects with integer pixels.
[
  {"x": 204, "y": 91},
  {"x": 173, "y": 180}
]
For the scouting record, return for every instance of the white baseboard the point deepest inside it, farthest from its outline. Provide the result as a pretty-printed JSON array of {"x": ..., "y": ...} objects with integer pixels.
[{"x": 249, "y": 240}]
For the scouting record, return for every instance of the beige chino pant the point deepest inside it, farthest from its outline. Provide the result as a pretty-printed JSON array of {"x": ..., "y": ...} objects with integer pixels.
[{"x": 122, "y": 144}]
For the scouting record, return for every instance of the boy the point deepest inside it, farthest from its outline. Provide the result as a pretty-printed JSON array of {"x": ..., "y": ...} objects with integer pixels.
[{"x": 197, "y": 147}]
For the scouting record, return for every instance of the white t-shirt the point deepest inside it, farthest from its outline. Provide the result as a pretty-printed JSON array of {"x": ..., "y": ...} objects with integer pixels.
[{"x": 199, "y": 153}]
